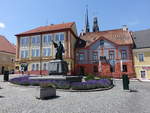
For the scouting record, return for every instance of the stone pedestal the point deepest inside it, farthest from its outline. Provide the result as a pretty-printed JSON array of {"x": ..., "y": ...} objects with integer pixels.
[
  {"x": 45, "y": 93},
  {"x": 58, "y": 67}
]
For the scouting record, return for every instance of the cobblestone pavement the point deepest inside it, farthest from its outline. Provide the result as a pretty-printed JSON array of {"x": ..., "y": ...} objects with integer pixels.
[{"x": 20, "y": 99}]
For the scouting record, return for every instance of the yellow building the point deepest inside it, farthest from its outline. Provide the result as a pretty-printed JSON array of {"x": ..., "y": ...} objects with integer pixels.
[
  {"x": 141, "y": 54},
  {"x": 35, "y": 48},
  {"x": 7, "y": 55}
]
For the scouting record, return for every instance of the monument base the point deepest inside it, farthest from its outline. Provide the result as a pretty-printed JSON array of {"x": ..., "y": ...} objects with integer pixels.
[
  {"x": 58, "y": 70},
  {"x": 58, "y": 67}
]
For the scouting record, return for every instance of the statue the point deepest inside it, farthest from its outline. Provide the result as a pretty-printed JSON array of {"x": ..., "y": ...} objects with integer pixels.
[{"x": 60, "y": 50}]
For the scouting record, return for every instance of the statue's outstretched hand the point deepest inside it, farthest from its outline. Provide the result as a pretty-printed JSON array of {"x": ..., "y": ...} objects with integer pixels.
[{"x": 55, "y": 44}]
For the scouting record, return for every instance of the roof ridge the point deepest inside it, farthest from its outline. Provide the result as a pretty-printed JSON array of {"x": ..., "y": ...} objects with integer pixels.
[
  {"x": 58, "y": 24},
  {"x": 104, "y": 31},
  {"x": 47, "y": 28}
]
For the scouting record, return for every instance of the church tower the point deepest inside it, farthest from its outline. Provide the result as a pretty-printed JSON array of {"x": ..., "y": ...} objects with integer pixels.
[
  {"x": 95, "y": 25},
  {"x": 86, "y": 27}
]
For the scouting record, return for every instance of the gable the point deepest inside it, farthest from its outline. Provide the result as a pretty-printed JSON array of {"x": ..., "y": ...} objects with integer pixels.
[
  {"x": 118, "y": 37},
  {"x": 107, "y": 44}
]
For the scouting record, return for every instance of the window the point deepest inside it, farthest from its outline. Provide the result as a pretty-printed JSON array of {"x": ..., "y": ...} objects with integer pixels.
[
  {"x": 143, "y": 74},
  {"x": 35, "y": 52},
  {"x": 81, "y": 56},
  {"x": 101, "y": 42},
  {"x": 95, "y": 56},
  {"x": 141, "y": 57},
  {"x": 33, "y": 67},
  {"x": 35, "y": 40},
  {"x": 124, "y": 54},
  {"x": 46, "y": 51},
  {"x": 47, "y": 39},
  {"x": 59, "y": 37},
  {"x": 111, "y": 55},
  {"x": 112, "y": 65},
  {"x": 24, "y": 53},
  {"x": 124, "y": 68},
  {"x": 112, "y": 68},
  {"x": 37, "y": 66},
  {"x": 45, "y": 66},
  {"x": 95, "y": 69},
  {"x": 24, "y": 41},
  {"x": 102, "y": 58}
]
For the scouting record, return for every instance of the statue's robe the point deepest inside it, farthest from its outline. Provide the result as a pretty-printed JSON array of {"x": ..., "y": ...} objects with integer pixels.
[{"x": 60, "y": 50}]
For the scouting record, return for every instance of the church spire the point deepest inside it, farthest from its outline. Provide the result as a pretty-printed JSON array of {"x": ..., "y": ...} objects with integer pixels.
[
  {"x": 86, "y": 27},
  {"x": 95, "y": 25}
]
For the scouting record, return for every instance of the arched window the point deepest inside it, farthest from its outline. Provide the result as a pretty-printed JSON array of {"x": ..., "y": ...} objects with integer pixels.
[
  {"x": 37, "y": 66},
  {"x": 33, "y": 67},
  {"x": 44, "y": 66}
]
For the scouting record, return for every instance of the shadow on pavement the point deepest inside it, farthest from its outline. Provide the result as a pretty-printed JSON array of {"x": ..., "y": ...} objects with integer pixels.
[
  {"x": 133, "y": 90},
  {"x": 1, "y": 96},
  {"x": 50, "y": 98}
]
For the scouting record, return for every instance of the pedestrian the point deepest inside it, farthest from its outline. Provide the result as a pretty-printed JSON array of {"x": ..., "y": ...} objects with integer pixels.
[{"x": 22, "y": 70}]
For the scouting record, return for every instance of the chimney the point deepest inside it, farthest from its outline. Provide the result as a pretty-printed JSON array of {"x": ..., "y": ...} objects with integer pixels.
[{"x": 125, "y": 28}]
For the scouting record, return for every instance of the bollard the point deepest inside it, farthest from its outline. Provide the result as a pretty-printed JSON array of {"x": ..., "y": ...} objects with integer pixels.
[
  {"x": 125, "y": 81},
  {"x": 6, "y": 75}
]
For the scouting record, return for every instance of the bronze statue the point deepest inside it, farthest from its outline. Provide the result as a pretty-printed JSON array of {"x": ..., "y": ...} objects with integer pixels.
[{"x": 60, "y": 50}]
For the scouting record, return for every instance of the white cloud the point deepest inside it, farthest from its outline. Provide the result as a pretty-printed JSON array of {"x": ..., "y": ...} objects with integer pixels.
[{"x": 2, "y": 25}]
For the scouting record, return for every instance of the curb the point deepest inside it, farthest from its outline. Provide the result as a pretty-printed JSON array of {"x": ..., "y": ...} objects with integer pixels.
[
  {"x": 143, "y": 80},
  {"x": 66, "y": 90},
  {"x": 92, "y": 90},
  {"x": 130, "y": 79}
]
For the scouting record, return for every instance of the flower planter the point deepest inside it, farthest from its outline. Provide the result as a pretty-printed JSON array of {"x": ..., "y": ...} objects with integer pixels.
[{"x": 45, "y": 93}]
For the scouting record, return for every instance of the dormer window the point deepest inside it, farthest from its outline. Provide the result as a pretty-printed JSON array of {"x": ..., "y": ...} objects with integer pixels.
[{"x": 101, "y": 42}]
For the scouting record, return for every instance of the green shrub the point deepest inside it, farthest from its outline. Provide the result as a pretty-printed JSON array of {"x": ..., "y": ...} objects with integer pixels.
[
  {"x": 24, "y": 83},
  {"x": 108, "y": 77},
  {"x": 90, "y": 77},
  {"x": 97, "y": 78},
  {"x": 62, "y": 85},
  {"x": 35, "y": 84}
]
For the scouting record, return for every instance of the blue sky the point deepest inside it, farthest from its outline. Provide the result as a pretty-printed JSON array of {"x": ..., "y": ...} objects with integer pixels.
[{"x": 21, "y": 15}]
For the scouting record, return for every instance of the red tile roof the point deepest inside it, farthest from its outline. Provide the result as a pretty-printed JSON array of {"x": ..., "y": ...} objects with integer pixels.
[
  {"x": 47, "y": 28},
  {"x": 6, "y": 46},
  {"x": 117, "y": 36}
]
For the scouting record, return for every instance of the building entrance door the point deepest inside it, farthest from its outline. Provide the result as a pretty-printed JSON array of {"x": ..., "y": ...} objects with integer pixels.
[{"x": 143, "y": 74}]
